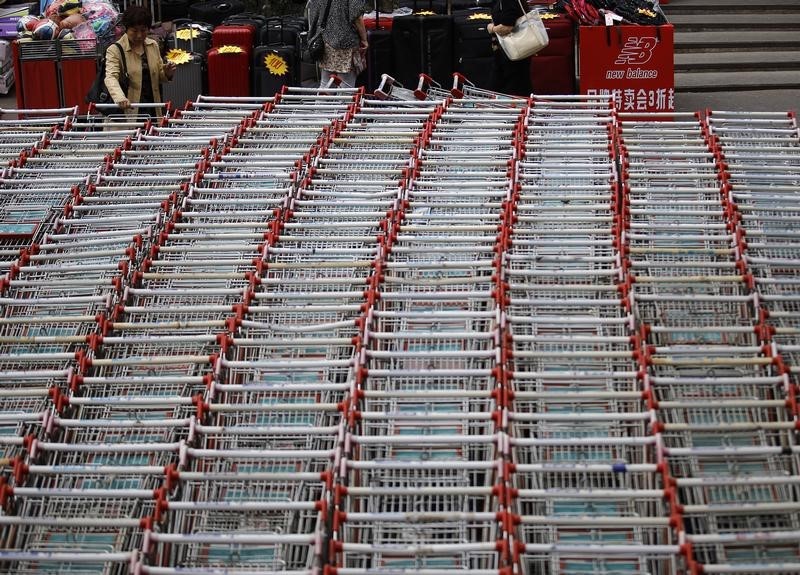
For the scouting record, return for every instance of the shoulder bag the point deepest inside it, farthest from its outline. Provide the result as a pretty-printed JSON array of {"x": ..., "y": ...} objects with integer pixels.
[
  {"x": 316, "y": 45},
  {"x": 528, "y": 37},
  {"x": 99, "y": 94}
]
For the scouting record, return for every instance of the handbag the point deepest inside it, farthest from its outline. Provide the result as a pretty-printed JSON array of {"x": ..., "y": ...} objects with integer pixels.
[
  {"x": 98, "y": 92},
  {"x": 528, "y": 37},
  {"x": 316, "y": 45}
]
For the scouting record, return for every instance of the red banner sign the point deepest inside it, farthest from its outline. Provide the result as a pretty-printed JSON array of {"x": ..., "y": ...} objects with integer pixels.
[{"x": 634, "y": 63}]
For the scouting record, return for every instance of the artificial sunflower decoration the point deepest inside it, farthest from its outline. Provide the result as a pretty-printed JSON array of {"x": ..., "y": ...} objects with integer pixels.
[
  {"x": 276, "y": 64},
  {"x": 177, "y": 56},
  {"x": 187, "y": 34}
]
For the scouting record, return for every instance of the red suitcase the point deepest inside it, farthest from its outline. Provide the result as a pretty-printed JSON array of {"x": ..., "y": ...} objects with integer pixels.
[
  {"x": 553, "y": 69},
  {"x": 382, "y": 23},
  {"x": 242, "y": 35},
  {"x": 228, "y": 71}
]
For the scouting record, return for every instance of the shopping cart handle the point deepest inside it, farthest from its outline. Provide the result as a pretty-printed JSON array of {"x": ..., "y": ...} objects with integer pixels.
[
  {"x": 384, "y": 89},
  {"x": 425, "y": 83}
]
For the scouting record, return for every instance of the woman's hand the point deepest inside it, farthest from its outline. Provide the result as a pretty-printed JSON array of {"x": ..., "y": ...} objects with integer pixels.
[
  {"x": 363, "y": 45},
  {"x": 501, "y": 29},
  {"x": 169, "y": 70},
  {"x": 124, "y": 104}
]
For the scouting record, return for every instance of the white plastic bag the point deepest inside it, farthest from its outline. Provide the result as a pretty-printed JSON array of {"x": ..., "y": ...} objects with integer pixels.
[{"x": 528, "y": 37}]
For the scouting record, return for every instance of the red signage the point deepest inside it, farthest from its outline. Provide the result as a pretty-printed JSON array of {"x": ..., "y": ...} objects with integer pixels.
[{"x": 633, "y": 63}]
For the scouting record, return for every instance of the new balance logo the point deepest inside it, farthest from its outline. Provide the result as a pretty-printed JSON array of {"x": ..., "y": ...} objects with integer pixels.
[{"x": 637, "y": 51}]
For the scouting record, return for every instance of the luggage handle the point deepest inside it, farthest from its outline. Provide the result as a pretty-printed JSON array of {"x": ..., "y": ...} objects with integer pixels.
[
  {"x": 191, "y": 35},
  {"x": 190, "y": 23}
]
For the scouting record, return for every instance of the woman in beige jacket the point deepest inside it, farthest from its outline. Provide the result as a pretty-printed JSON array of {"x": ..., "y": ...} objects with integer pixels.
[{"x": 146, "y": 69}]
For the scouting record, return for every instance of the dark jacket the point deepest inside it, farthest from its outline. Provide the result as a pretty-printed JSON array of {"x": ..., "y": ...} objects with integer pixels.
[{"x": 506, "y": 12}]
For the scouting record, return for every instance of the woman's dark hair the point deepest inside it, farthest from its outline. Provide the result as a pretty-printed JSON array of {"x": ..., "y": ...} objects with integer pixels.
[{"x": 136, "y": 16}]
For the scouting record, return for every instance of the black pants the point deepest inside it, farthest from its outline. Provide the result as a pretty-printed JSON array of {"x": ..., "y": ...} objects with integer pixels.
[{"x": 511, "y": 77}]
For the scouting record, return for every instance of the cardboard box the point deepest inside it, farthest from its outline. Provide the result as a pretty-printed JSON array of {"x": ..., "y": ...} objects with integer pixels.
[
  {"x": 635, "y": 64},
  {"x": 6, "y": 54},
  {"x": 7, "y": 81}
]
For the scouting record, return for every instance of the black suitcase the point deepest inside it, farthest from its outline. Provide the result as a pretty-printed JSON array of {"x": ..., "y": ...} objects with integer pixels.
[
  {"x": 215, "y": 11},
  {"x": 189, "y": 36},
  {"x": 471, "y": 40},
  {"x": 273, "y": 68},
  {"x": 170, "y": 10},
  {"x": 283, "y": 31},
  {"x": 187, "y": 83},
  {"x": 423, "y": 44},
  {"x": 380, "y": 59},
  {"x": 440, "y": 6},
  {"x": 477, "y": 70}
]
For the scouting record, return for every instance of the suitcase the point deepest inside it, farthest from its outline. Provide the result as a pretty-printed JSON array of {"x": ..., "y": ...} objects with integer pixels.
[
  {"x": 283, "y": 31},
  {"x": 228, "y": 72},
  {"x": 380, "y": 59},
  {"x": 187, "y": 83},
  {"x": 215, "y": 11},
  {"x": 171, "y": 10},
  {"x": 190, "y": 37},
  {"x": 273, "y": 68},
  {"x": 423, "y": 44},
  {"x": 470, "y": 37},
  {"x": 477, "y": 70},
  {"x": 440, "y": 6},
  {"x": 258, "y": 22},
  {"x": 553, "y": 69},
  {"x": 242, "y": 35}
]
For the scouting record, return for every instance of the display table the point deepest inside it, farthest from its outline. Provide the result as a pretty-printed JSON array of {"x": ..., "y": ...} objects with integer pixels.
[{"x": 634, "y": 63}]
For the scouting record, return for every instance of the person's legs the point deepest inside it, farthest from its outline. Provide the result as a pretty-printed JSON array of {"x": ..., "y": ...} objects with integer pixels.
[
  {"x": 325, "y": 77},
  {"x": 348, "y": 78},
  {"x": 520, "y": 78},
  {"x": 511, "y": 77}
]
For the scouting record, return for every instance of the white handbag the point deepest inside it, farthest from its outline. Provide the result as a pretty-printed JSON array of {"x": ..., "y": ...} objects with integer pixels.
[{"x": 528, "y": 37}]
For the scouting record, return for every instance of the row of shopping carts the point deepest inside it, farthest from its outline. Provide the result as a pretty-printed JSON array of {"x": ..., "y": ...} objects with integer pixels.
[
  {"x": 88, "y": 417},
  {"x": 585, "y": 481},
  {"x": 422, "y": 480},
  {"x": 723, "y": 402},
  {"x": 433, "y": 331}
]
